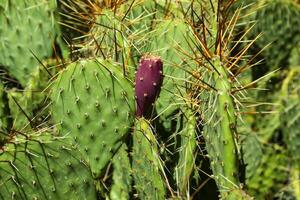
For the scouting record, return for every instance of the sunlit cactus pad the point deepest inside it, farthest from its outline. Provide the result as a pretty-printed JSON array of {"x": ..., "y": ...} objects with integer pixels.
[{"x": 94, "y": 103}]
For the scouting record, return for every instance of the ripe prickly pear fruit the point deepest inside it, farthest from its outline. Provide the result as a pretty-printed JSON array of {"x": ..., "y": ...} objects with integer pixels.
[{"x": 148, "y": 81}]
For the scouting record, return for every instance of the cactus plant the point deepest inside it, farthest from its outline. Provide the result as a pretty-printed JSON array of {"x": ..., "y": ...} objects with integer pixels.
[
  {"x": 170, "y": 41},
  {"x": 187, "y": 153},
  {"x": 40, "y": 166},
  {"x": 277, "y": 21},
  {"x": 147, "y": 168},
  {"x": 28, "y": 106},
  {"x": 189, "y": 139},
  {"x": 121, "y": 187},
  {"x": 28, "y": 31},
  {"x": 94, "y": 99}
]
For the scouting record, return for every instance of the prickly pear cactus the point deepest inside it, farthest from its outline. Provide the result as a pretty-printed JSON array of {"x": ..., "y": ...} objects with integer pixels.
[
  {"x": 122, "y": 179},
  {"x": 2, "y": 107},
  {"x": 170, "y": 42},
  {"x": 94, "y": 103},
  {"x": 41, "y": 166},
  {"x": 290, "y": 116},
  {"x": 108, "y": 38},
  {"x": 28, "y": 106},
  {"x": 220, "y": 127},
  {"x": 187, "y": 152},
  {"x": 146, "y": 164},
  {"x": 28, "y": 30},
  {"x": 271, "y": 173},
  {"x": 278, "y": 21},
  {"x": 141, "y": 14}
]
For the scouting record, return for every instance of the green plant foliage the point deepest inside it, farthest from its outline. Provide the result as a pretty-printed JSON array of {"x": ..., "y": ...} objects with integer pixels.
[
  {"x": 122, "y": 179},
  {"x": 146, "y": 164},
  {"x": 28, "y": 106},
  {"x": 170, "y": 41},
  {"x": 290, "y": 117},
  {"x": 41, "y": 166},
  {"x": 237, "y": 194},
  {"x": 278, "y": 21},
  {"x": 92, "y": 98},
  {"x": 271, "y": 173},
  {"x": 252, "y": 154},
  {"x": 294, "y": 59},
  {"x": 28, "y": 30},
  {"x": 3, "y": 123}
]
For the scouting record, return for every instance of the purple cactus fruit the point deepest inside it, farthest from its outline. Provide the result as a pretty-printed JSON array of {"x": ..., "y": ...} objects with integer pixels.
[{"x": 148, "y": 81}]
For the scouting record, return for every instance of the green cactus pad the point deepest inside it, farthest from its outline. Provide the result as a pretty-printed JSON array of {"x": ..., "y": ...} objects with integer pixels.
[
  {"x": 220, "y": 121},
  {"x": 187, "y": 152},
  {"x": 252, "y": 153},
  {"x": 43, "y": 167},
  {"x": 290, "y": 117},
  {"x": 141, "y": 14},
  {"x": 271, "y": 174},
  {"x": 2, "y": 107},
  {"x": 278, "y": 21},
  {"x": 26, "y": 27},
  {"x": 170, "y": 42},
  {"x": 146, "y": 164},
  {"x": 122, "y": 179},
  {"x": 107, "y": 37},
  {"x": 94, "y": 103}
]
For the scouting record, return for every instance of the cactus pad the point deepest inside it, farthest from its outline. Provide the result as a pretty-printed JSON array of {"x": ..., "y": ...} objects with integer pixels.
[
  {"x": 278, "y": 21},
  {"x": 121, "y": 187},
  {"x": 169, "y": 40},
  {"x": 94, "y": 102},
  {"x": 146, "y": 165},
  {"x": 43, "y": 167},
  {"x": 27, "y": 28},
  {"x": 290, "y": 116}
]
